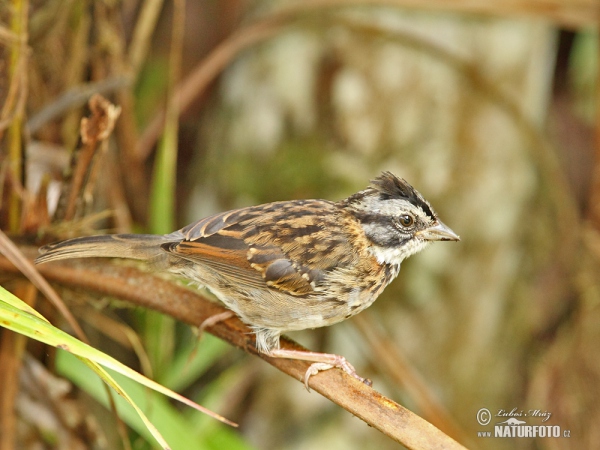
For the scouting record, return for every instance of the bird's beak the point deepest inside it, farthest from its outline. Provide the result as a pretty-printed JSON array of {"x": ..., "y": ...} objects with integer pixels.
[{"x": 438, "y": 232}]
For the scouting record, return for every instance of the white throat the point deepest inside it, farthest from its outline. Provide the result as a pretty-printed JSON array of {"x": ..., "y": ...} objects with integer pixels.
[{"x": 395, "y": 255}]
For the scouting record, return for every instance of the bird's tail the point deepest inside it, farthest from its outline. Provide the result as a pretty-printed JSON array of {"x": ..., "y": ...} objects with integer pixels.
[{"x": 134, "y": 246}]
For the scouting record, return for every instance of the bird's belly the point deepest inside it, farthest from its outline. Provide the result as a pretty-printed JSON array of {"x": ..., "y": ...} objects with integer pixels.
[
  {"x": 276, "y": 310},
  {"x": 273, "y": 310}
]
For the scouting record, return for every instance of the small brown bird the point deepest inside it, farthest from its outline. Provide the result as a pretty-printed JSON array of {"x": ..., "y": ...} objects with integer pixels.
[{"x": 289, "y": 265}]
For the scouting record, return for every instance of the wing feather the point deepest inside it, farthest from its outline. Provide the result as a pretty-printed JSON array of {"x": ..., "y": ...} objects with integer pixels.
[
  {"x": 232, "y": 264},
  {"x": 283, "y": 245}
]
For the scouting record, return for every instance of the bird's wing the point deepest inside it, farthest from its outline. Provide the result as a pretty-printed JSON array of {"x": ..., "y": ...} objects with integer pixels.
[{"x": 283, "y": 245}]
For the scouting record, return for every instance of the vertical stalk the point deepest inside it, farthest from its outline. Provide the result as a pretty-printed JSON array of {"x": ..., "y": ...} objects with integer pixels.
[
  {"x": 159, "y": 330},
  {"x": 14, "y": 134},
  {"x": 162, "y": 206}
]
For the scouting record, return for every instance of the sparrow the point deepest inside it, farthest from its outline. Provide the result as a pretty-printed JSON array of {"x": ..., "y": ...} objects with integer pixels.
[{"x": 288, "y": 265}]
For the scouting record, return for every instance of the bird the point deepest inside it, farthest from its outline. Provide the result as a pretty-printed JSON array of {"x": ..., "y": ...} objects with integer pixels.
[{"x": 288, "y": 265}]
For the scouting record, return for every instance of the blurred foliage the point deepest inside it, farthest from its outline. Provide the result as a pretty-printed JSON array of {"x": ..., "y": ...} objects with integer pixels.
[{"x": 298, "y": 169}]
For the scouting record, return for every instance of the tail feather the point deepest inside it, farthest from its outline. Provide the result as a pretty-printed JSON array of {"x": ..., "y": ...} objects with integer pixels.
[{"x": 133, "y": 246}]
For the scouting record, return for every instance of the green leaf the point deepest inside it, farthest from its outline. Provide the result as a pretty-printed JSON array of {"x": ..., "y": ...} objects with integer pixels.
[
  {"x": 166, "y": 418},
  {"x": 15, "y": 315}
]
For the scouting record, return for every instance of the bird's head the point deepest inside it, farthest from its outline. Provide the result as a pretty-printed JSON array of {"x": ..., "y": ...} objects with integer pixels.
[{"x": 396, "y": 219}]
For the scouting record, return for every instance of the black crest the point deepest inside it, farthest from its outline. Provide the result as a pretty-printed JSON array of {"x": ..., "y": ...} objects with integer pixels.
[{"x": 390, "y": 187}]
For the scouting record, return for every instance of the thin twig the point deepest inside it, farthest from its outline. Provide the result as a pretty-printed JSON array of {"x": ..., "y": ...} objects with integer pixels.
[
  {"x": 74, "y": 98},
  {"x": 26, "y": 267},
  {"x": 7, "y": 37},
  {"x": 144, "y": 27},
  {"x": 204, "y": 74},
  {"x": 147, "y": 290}
]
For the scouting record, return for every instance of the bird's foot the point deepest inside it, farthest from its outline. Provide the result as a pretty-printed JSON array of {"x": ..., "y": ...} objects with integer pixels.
[{"x": 321, "y": 362}]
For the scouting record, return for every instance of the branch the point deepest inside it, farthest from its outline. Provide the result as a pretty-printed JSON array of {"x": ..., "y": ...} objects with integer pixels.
[{"x": 147, "y": 290}]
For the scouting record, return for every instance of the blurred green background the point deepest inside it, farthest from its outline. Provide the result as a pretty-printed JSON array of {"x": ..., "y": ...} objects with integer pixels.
[{"x": 490, "y": 110}]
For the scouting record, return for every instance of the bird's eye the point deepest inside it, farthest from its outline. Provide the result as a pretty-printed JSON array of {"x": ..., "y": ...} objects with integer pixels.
[{"x": 406, "y": 220}]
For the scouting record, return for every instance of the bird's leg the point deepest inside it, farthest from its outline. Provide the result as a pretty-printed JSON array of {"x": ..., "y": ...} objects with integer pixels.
[
  {"x": 213, "y": 320},
  {"x": 209, "y": 322},
  {"x": 321, "y": 361}
]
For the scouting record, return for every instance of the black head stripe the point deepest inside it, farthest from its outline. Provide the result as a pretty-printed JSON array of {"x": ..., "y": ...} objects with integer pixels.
[{"x": 390, "y": 187}]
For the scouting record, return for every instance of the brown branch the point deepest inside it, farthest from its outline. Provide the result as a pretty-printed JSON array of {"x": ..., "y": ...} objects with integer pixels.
[{"x": 147, "y": 290}]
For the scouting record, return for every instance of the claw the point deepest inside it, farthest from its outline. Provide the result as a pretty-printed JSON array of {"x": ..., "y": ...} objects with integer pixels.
[
  {"x": 314, "y": 369},
  {"x": 340, "y": 363}
]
